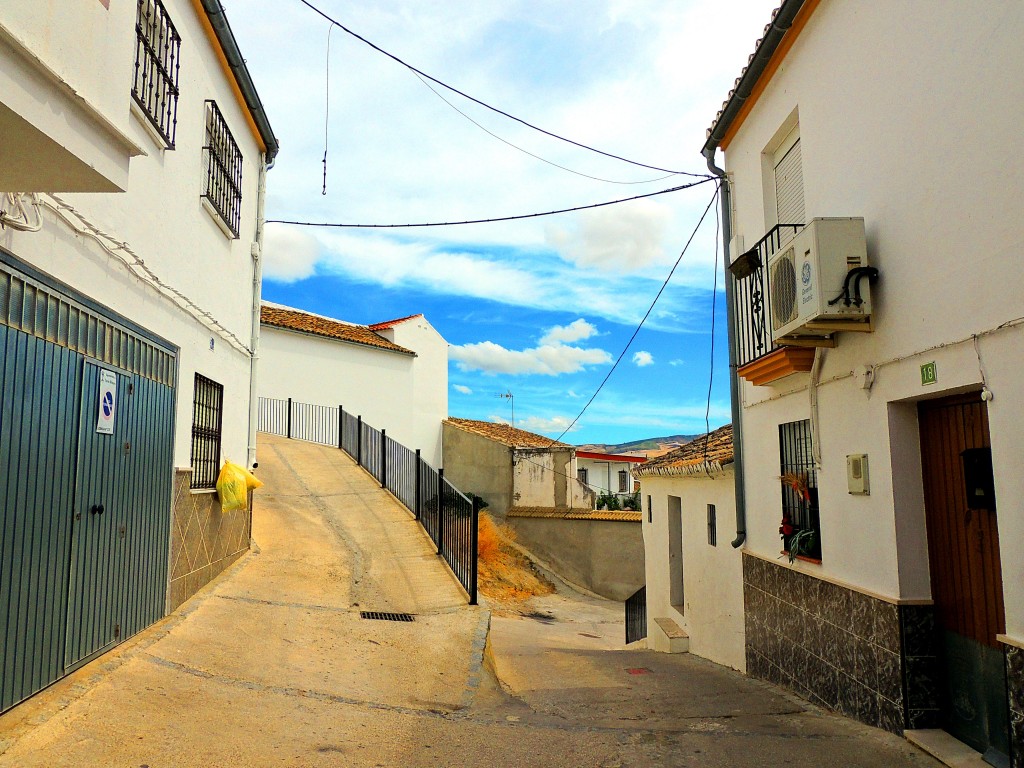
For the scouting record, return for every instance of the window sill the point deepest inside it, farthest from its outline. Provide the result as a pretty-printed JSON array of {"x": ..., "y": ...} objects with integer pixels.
[
  {"x": 218, "y": 220},
  {"x": 201, "y": 491},
  {"x": 803, "y": 558},
  {"x": 143, "y": 119}
]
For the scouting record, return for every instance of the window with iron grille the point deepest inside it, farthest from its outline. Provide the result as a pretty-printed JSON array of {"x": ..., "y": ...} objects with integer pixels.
[
  {"x": 801, "y": 526},
  {"x": 623, "y": 481},
  {"x": 207, "y": 416},
  {"x": 157, "y": 53},
  {"x": 712, "y": 525},
  {"x": 222, "y": 162},
  {"x": 581, "y": 475}
]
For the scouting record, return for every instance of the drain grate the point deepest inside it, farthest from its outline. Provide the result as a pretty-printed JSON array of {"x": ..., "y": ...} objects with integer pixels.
[{"x": 380, "y": 616}]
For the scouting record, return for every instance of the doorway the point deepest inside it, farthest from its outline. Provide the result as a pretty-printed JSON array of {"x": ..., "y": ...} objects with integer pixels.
[{"x": 966, "y": 580}]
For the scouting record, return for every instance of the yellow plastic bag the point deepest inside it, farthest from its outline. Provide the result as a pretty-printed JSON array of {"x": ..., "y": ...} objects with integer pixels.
[{"x": 233, "y": 486}]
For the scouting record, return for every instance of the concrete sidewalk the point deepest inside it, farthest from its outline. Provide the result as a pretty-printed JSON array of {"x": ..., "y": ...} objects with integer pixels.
[{"x": 272, "y": 665}]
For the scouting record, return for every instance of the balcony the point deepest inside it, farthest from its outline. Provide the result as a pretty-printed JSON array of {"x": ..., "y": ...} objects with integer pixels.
[{"x": 760, "y": 360}]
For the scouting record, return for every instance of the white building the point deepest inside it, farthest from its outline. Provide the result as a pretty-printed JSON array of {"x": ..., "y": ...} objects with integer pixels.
[
  {"x": 394, "y": 374},
  {"x": 694, "y": 577},
  {"x": 900, "y": 430},
  {"x": 608, "y": 473},
  {"x": 133, "y": 159}
]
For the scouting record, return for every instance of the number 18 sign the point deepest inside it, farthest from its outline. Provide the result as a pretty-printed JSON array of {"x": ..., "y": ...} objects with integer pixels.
[{"x": 107, "y": 403}]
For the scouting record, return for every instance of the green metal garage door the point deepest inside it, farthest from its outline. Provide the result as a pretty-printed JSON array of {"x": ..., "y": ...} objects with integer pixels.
[{"x": 73, "y": 581}]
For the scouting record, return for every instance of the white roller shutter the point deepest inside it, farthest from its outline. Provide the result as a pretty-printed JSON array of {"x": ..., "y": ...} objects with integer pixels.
[{"x": 789, "y": 187}]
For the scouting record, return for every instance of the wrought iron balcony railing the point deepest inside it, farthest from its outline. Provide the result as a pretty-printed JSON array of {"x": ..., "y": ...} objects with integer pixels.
[{"x": 751, "y": 304}]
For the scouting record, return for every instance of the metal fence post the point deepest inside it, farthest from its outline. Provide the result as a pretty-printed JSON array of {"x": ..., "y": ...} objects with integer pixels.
[
  {"x": 474, "y": 550},
  {"x": 359, "y": 441},
  {"x": 289, "y": 430},
  {"x": 383, "y": 458},
  {"x": 419, "y": 491},
  {"x": 440, "y": 510},
  {"x": 341, "y": 427}
]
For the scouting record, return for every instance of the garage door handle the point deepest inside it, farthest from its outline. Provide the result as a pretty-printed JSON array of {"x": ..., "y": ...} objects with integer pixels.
[{"x": 97, "y": 509}]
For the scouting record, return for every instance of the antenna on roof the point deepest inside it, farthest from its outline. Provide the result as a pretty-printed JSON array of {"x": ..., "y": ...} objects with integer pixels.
[{"x": 511, "y": 399}]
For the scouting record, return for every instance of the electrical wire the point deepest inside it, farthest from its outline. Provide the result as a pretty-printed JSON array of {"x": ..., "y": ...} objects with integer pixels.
[
  {"x": 327, "y": 103},
  {"x": 491, "y": 220},
  {"x": 488, "y": 106},
  {"x": 644, "y": 319},
  {"x": 79, "y": 223},
  {"x": 527, "y": 152}
]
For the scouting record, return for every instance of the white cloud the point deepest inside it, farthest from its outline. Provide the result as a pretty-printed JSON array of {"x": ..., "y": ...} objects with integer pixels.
[
  {"x": 573, "y": 395},
  {"x": 289, "y": 254},
  {"x": 676, "y": 362},
  {"x": 463, "y": 389},
  {"x": 577, "y": 330},
  {"x": 642, "y": 359},
  {"x": 624, "y": 239},
  {"x": 547, "y": 359},
  {"x": 554, "y": 424}
]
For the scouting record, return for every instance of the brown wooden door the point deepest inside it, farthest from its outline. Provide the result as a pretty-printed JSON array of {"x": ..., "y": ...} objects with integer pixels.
[{"x": 963, "y": 551}]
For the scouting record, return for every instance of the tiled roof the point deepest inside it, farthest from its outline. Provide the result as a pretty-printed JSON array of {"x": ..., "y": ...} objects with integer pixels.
[
  {"x": 297, "y": 320},
  {"x": 691, "y": 458},
  {"x": 392, "y": 323},
  {"x": 506, "y": 434},
  {"x": 554, "y": 513}
]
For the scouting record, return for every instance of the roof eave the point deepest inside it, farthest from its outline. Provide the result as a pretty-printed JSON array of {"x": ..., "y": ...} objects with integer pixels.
[
  {"x": 233, "y": 54},
  {"x": 756, "y": 66},
  {"x": 362, "y": 344}
]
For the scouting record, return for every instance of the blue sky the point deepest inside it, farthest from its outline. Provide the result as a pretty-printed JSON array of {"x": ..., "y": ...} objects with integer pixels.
[{"x": 541, "y": 307}]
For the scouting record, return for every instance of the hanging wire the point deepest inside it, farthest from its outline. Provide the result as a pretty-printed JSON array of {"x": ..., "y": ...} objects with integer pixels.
[
  {"x": 711, "y": 375},
  {"x": 327, "y": 102},
  {"x": 491, "y": 220},
  {"x": 526, "y": 151},
  {"x": 644, "y": 319},
  {"x": 488, "y": 106}
]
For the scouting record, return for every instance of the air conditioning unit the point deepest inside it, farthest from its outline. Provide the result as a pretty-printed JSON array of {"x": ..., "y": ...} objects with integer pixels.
[{"x": 819, "y": 283}]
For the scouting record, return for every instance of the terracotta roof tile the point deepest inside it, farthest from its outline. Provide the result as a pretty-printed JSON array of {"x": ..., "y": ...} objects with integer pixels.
[
  {"x": 562, "y": 513},
  {"x": 690, "y": 458},
  {"x": 506, "y": 434},
  {"x": 392, "y": 323},
  {"x": 297, "y": 320}
]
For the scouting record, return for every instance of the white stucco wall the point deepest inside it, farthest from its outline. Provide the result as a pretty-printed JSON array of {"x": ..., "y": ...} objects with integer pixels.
[
  {"x": 64, "y": 71},
  {"x": 603, "y": 474},
  {"x": 430, "y": 379},
  {"x": 390, "y": 390},
  {"x": 924, "y": 142},
  {"x": 162, "y": 219},
  {"x": 712, "y": 608}
]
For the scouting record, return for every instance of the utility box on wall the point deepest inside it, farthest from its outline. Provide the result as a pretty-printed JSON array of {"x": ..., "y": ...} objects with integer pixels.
[{"x": 857, "y": 474}]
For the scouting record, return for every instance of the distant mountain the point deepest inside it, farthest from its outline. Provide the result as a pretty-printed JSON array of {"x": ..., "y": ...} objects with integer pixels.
[{"x": 650, "y": 444}]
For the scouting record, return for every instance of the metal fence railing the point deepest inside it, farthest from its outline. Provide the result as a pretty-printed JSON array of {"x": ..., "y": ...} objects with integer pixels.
[
  {"x": 636, "y": 615},
  {"x": 447, "y": 515}
]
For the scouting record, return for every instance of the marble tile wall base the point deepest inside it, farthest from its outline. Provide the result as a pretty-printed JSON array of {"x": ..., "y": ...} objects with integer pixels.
[
  {"x": 204, "y": 540},
  {"x": 839, "y": 648},
  {"x": 1015, "y": 688}
]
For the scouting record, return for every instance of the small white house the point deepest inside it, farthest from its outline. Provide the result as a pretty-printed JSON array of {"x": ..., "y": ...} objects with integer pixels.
[
  {"x": 608, "y": 473},
  {"x": 133, "y": 159},
  {"x": 394, "y": 374},
  {"x": 694, "y": 576},
  {"x": 874, "y": 231}
]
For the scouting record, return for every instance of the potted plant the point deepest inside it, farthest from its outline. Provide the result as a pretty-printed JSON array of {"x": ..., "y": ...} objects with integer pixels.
[{"x": 796, "y": 540}]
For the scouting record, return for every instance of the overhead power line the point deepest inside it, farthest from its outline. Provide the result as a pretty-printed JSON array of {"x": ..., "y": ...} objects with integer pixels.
[
  {"x": 642, "y": 321},
  {"x": 488, "y": 106},
  {"x": 491, "y": 220}
]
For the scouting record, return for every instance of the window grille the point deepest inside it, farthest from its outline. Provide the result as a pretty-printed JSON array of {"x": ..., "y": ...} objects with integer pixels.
[
  {"x": 650, "y": 511},
  {"x": 800, "y": 505},
  {"x": 157, "y": 54},
  {"x": 712, "y": 525},
  {"x": 222, "y": 162},
  {"x": 623, "y": 481},
  {"x": 581, "y": 475},
  {"x": 207, "y": 416}
]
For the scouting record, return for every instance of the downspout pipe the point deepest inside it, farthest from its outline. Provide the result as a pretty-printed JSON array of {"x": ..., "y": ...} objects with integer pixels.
[
  {"x": 257, "y": 301},
  {"x": 734, "y": 393}
]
